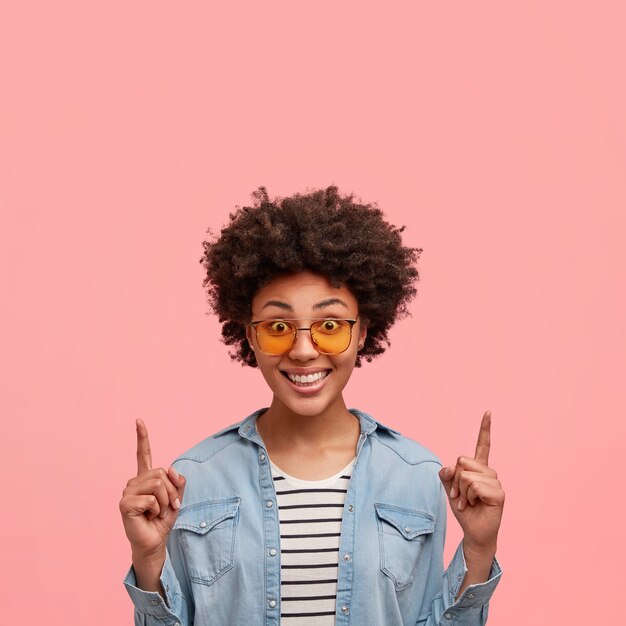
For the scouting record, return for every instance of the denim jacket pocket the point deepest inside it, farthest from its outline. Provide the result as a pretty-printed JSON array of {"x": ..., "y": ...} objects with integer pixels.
[
  {"x": 401, "y": 535},
  {"x": 207, "y": 532}
]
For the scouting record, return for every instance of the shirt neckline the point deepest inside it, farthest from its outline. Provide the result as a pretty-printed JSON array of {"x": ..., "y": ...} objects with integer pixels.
[{"x": 318, "y": 483}]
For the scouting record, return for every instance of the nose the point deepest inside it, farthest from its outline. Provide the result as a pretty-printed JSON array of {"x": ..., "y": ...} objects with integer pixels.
[{"x": 303, "y": 348}]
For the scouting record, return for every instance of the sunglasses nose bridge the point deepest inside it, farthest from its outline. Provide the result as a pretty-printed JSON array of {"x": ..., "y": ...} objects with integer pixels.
[{"x": 303, "y": 331}]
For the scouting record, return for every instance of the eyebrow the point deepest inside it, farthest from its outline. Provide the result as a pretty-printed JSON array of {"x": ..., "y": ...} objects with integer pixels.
[{"x": 319, "y": 305}]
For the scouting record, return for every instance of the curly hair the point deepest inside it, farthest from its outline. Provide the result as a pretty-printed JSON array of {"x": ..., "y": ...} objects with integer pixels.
[{"x": 324, "y": 232}]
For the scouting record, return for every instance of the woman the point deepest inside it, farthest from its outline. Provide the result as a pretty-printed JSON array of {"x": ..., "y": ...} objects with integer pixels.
[{"x": 307, "y": 512}]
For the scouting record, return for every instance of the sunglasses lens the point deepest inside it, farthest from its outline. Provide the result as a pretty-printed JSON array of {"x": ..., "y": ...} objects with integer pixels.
[
  {"x": 275, "y": 336},
  {"x": 331, "y": 336}
]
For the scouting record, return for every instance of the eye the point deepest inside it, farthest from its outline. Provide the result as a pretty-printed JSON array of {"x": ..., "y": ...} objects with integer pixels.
[
  {"x": 278, "y": 327},
  {"x": 329, "y": 326}
]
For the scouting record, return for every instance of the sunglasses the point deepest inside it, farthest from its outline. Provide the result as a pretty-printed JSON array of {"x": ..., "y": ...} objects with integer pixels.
[{"x": 330, "y": 336}]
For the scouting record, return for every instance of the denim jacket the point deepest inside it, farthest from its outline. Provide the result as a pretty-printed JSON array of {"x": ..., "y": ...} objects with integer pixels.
[{"x": 223, "y": 554}]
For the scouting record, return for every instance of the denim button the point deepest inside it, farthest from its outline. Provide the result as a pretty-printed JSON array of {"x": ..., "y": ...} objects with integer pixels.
[
  {"x": 448, "y": 616},
  {"x": 470, "y": 596},
  {"x": 154, "y": 602},
  {"x": 350, "y": 508},
  {"x": 345, "y": 610},
  {"x": 273, "y": 552},
  {"x": 202, "y": 524},
  {"x": 346, "y": 557},
  {"x": 269, "y": 504},
  {"x": 272, "y": 603},
  {"x": 407, "y": 529},
  {"x": 261, "y": 457}
]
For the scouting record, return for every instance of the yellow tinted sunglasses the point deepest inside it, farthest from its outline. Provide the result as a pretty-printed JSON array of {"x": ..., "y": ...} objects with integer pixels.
[{"x": 329, "y": 335}]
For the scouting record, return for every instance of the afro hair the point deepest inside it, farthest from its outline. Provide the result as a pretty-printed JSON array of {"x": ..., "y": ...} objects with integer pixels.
[{"x": 349, "y": 243}]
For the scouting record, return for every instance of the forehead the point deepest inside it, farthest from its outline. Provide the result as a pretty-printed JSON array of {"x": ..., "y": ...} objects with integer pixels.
[{"x": 302, "y": 290}]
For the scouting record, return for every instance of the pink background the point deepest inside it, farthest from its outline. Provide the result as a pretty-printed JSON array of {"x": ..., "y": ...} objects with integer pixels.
[{"x": 495, "y": 131}]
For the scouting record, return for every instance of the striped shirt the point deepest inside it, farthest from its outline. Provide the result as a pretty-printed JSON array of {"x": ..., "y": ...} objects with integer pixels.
[{"x": 310, "y": 524}]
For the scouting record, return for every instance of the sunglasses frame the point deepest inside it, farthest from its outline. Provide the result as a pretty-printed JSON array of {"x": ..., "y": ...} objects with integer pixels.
[{"x": 254, "y": 325}]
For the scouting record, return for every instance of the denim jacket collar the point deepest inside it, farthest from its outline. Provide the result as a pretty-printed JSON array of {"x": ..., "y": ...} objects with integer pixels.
[{"x": 247, "y": 430}]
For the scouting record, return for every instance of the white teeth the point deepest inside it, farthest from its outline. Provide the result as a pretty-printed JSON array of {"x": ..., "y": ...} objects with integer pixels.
[{"x": 305, "y": 380}]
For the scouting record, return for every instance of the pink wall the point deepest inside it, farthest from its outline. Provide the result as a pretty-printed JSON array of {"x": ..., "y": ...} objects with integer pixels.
[{"x": 496, "y": 133}]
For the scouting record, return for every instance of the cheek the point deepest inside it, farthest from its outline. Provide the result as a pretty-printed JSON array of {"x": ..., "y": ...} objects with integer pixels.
[
  {"x": 268, "y": 369},
  {"x": 346, "y": 364}
]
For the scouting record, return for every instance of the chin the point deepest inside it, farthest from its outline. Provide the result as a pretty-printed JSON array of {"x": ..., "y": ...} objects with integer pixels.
[{"x": 307, "y": 407}]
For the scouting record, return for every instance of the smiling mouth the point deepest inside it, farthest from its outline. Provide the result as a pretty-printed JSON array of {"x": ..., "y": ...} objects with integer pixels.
[{"x": 306, "y": 381}]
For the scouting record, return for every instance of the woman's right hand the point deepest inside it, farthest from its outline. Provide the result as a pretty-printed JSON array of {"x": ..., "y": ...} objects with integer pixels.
[{"x": 150, "y": 503}]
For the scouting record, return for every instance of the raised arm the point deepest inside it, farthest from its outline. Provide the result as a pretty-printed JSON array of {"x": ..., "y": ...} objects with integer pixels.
[
  {"x": 476, "y": 498},
  {"x": 149, "y": 508}
]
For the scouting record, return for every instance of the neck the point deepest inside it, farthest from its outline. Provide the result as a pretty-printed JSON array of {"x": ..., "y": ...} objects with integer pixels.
[{"x": 279, "y": 426}]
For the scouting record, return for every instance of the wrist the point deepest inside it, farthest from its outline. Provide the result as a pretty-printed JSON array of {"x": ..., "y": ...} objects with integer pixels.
[
  {"x": 478, "y": 560},
  {"x": 481, "y": 551},
  {"x": 149, "y": 560},
  {"x": 148, "y": 570}
]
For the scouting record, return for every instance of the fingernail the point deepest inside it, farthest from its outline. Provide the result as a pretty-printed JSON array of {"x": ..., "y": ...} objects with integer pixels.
[
  {"x": 177, "y": 503},
  {"x": 452, "y": 492},
  {"x": 164, "y": 514},
  {"x": 176, "y": 475},
  {"x": 449, "y": 471},
  {"x": 459, "y": 505}
]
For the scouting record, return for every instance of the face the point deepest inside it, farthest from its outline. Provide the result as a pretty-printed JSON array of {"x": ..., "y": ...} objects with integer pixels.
[{"x": 305, "y": 296}]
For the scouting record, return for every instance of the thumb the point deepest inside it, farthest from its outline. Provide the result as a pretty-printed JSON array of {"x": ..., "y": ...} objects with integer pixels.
[
  {"x": 446, "y": 475},
  {"x": 178, "y": 480}
]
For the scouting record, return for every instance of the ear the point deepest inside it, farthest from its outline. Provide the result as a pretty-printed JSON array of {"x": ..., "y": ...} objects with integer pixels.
[
  {"x": 362, "y": 333},
  {"x": 249, "y": 333}
]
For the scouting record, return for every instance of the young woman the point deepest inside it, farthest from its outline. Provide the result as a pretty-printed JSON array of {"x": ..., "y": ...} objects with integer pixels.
[{"x": 307, "y": 512}]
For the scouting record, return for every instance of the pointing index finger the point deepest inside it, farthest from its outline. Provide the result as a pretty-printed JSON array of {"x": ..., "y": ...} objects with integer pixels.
[
  {"x": 144, "y": 456},
  {"x": 484, "y": 439}
]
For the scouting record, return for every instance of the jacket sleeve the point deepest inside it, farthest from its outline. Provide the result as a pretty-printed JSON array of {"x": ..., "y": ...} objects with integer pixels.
[
  {"x": 472, "y": 607},
  {"x": 150, "y": 609}
]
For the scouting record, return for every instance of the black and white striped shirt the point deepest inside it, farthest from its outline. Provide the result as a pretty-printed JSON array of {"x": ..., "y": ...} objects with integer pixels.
[{"x": 310, "y": 523}]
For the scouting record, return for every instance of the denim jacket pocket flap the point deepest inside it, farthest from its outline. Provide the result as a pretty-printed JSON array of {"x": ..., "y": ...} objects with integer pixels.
[
  {"x": 410, "y": 523},
  {"x": 200, "y": 518}
]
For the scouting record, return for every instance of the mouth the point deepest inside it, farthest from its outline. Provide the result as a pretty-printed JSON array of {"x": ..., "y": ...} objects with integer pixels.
[{"x": 310, "y": 383}]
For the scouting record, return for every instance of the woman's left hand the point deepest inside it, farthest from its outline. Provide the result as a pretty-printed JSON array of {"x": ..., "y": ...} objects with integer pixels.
[{"x": 475, "y": 494}]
